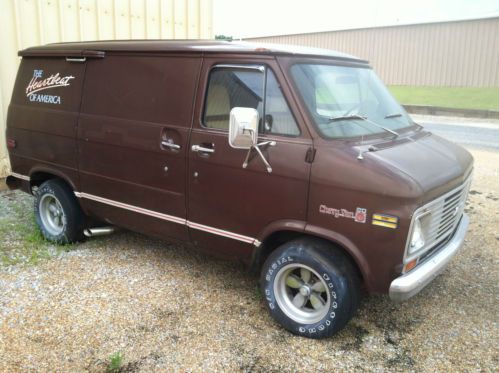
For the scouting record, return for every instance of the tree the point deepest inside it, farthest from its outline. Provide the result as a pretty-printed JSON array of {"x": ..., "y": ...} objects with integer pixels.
[{"x": 223, "y": 37}]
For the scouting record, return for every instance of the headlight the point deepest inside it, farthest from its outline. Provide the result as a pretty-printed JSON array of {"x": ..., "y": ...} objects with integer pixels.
[{"x": 417, "y": 238}]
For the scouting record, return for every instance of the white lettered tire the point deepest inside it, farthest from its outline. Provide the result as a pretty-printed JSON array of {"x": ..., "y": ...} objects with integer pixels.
[{"x": 310, "y": 287}]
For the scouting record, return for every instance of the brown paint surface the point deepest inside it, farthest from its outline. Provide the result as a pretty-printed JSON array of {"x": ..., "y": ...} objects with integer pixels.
[{"x": 105, "y": 139}]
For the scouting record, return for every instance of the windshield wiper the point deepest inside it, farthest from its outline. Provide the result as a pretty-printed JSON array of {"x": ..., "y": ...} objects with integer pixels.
[
  {"x": 395, "y": 115},
  {"x": 346, "y": 117},
  {"x": 357, "y": 116}
]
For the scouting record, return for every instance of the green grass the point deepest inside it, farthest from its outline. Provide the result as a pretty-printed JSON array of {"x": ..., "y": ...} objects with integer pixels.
[
  {"x": 21, "y": 240},
  {"x": 258, "y": 292},
  {"x": 463, "y": 98},
  {"x": 115, "y": 362}
]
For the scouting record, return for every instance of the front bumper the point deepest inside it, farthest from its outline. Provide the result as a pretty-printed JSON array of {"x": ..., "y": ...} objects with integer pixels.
[{"x": 413, "y": 282}]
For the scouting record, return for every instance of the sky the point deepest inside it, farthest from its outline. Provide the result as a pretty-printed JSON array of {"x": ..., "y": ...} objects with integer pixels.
[{"x": 246, "y": 18}]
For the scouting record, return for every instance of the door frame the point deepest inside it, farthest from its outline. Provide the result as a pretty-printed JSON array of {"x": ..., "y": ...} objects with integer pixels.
[{"x": 238, "y": 61}]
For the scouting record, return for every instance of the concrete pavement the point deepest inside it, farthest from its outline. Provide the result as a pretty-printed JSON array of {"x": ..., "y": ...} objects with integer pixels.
[{"x": 478, "y": 133}]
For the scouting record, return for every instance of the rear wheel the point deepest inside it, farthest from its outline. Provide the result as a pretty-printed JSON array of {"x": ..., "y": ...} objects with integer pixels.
[
  {"x": 310, "y": 287},
  {"x": 58, "y": 213}
]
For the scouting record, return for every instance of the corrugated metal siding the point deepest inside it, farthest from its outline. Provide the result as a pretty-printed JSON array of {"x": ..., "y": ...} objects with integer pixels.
[
  {"x": 447, "y": 54},
  {"x": 26, "y": 23}
]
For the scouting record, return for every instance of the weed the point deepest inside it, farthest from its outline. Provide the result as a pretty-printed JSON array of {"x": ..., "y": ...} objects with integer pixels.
[
  {"x": 258, "y": 292},
  {"x": 115, "y": 362}
]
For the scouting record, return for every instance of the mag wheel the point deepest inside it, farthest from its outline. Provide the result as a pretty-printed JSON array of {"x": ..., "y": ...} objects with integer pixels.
[
  {"x": 301, "y": 293},
  {"x": 52, "y": 214},
  {"x": 311, "y": 288}
]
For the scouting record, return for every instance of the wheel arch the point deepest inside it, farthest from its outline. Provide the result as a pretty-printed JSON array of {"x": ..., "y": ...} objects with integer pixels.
[
  {"x": 39, "y": 175},
  {"x": 275, "y": 238}
]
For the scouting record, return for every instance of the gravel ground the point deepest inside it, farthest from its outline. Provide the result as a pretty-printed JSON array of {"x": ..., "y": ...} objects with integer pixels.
[{"x": 168, "y": 307}]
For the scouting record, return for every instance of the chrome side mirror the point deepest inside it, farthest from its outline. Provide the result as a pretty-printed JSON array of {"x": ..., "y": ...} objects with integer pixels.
[
  {"x": 243, "y": 134},
  {"x": 243, "y": 127}
]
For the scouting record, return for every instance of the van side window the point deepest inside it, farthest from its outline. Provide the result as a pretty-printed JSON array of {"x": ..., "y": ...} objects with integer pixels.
[
  {"x": 279, "y": 119},
  {"x": 229, "y": 88}
]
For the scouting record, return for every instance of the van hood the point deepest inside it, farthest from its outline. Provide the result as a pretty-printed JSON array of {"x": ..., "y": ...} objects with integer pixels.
[{"x": 435, "y": 164}]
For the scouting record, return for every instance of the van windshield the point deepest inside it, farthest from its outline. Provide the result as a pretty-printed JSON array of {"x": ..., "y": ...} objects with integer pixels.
[{"x": 348, "y": 101}]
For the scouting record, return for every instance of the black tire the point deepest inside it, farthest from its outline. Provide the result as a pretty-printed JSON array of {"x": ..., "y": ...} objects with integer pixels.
[
  {"x": 72, "y": 218},
  {"x": 338, "y": 276}
]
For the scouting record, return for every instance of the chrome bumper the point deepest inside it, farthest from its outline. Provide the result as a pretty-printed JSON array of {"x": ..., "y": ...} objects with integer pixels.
[{"x": 413, "y": 282}]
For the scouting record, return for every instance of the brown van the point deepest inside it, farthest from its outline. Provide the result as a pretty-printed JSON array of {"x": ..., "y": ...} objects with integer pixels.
[{"x": 296, "y": 161}]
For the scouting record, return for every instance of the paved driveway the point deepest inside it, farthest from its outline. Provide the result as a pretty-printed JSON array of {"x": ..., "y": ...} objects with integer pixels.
[{"x": 477, "y": 133}]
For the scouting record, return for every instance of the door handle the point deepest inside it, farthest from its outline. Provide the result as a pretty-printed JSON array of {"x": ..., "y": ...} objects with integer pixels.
[
  {"x": 202, "y": 149},
  {"x": 170, "y": 145}
]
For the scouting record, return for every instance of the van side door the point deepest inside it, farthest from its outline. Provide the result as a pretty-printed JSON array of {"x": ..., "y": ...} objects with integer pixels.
[
  {"x": 230, "y": 206},
  {"x": 133, "y": 137}
]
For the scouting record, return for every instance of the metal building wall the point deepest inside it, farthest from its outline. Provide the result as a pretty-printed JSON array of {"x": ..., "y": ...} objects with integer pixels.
[
  {"x": 447, "y": 54},
  {"x": 25, "y": 23}
]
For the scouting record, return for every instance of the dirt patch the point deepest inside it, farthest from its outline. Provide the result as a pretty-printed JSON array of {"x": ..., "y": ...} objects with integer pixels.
[{"x": 167, "y": 307}]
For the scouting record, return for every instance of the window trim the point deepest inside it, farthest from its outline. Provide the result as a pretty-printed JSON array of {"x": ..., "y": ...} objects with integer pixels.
[
  {"x": 299, "y": 134},
  {"x": 258, "y": 67}
]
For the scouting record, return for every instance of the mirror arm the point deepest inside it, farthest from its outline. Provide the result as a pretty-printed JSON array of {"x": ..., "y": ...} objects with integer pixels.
[
  {"x": 246, "y": 160},
  {"x": 257, "y": 148},
  {"x": 267, "y": 165}
]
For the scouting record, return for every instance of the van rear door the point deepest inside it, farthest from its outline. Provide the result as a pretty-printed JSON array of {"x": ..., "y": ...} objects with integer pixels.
[
  {"x": 43, "y": 116},
  {"x": 133, "y": 136},
  {"x": 230, "y": 206}
]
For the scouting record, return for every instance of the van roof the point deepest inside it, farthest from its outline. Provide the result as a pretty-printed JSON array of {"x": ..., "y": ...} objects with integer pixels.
[{"x": 98, "y": 48}]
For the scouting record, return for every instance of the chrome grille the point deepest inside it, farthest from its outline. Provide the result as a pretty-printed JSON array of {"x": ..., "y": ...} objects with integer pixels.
[{"x": 440, "y": 217}]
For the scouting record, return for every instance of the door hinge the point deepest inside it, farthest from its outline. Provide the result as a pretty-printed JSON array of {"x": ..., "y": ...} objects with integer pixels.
[{"x": 309, "y": 158}]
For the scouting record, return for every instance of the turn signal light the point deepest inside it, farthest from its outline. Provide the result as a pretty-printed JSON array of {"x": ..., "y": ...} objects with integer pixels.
[
  {"x": 410, "y": 265},
  {"x": 11, "y": 143}
]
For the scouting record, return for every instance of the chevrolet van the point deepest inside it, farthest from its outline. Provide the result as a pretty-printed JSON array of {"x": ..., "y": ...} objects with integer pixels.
[{"x": 296, "y": 161}]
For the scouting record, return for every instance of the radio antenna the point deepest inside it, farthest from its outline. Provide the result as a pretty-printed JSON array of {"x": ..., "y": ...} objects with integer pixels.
[{"x": 360, "y": 156}]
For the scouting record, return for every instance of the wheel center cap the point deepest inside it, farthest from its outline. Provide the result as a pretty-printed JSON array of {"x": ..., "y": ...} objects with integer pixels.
[{"x": 305, "y": 290}]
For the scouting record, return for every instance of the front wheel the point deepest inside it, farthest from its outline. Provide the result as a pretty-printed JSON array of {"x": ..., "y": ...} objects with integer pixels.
[{"x": 310, "y": 287}]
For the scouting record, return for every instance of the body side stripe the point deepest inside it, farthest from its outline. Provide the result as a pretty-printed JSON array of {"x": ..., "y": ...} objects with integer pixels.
[
  {"x": 175, "y": 219},
  {"x": 131, "y": 208}
]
